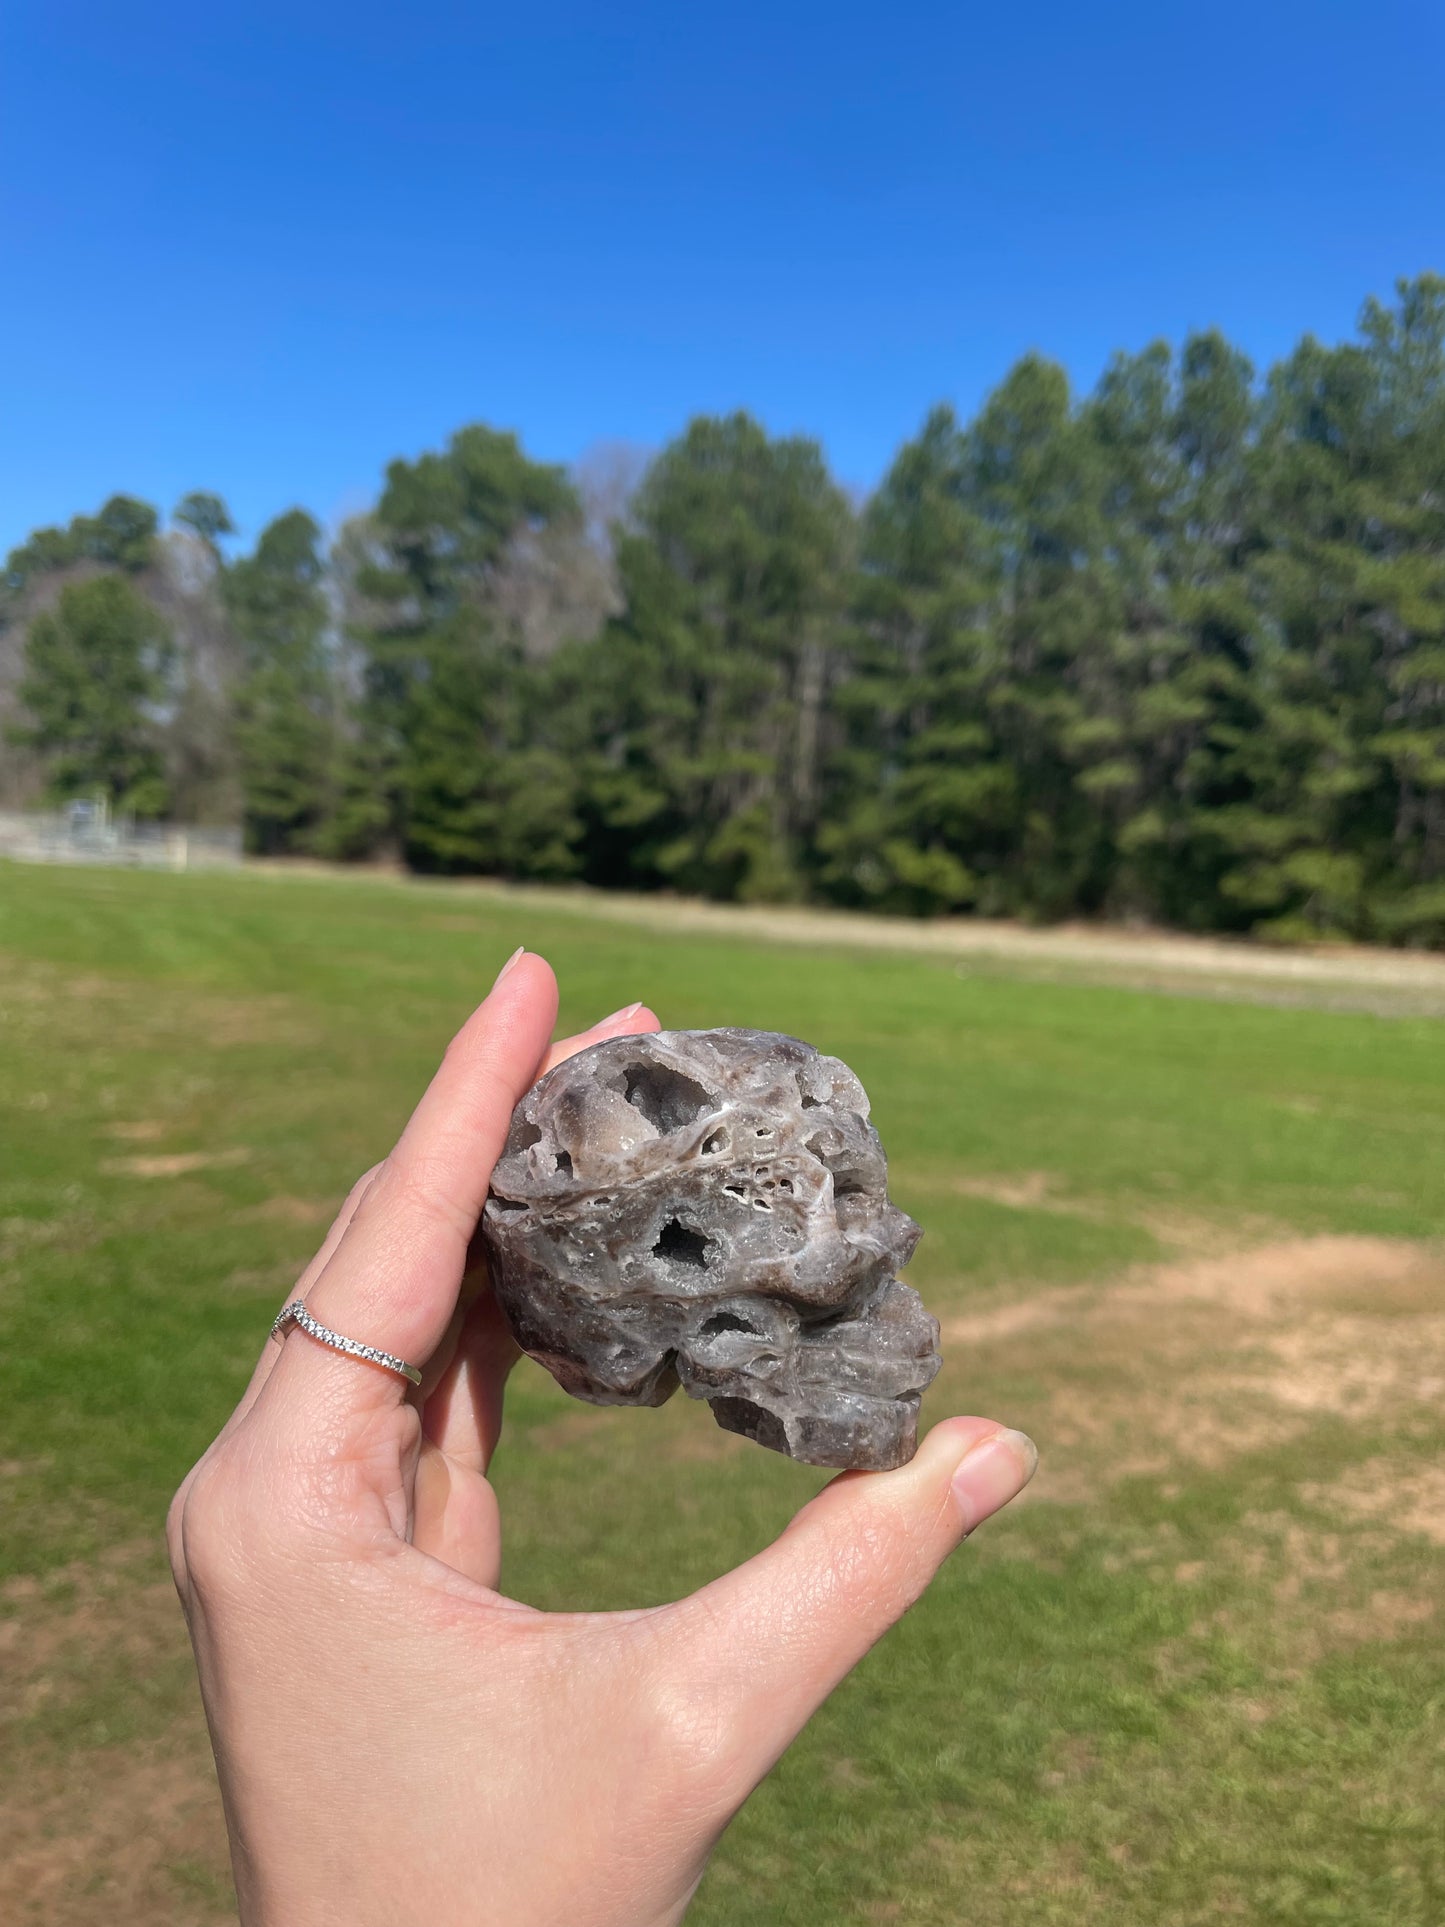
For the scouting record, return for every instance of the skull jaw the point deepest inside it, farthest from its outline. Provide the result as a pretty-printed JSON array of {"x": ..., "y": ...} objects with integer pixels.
[
  {"x": 844, "y": 1393},
  {"x": 845, "y": 1431}
]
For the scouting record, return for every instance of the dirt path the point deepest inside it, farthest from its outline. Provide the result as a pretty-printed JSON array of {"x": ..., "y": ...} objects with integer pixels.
[
  {"x": 1349, "y": 976},
  {"x": 1205, "y": 1357}
]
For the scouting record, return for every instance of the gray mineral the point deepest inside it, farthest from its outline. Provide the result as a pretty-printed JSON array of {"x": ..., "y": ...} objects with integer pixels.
[{"x": 710, "y": 1209}]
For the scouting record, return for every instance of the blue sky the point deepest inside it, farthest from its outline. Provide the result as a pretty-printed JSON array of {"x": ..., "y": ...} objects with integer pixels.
[{"x": 264, "y": 249}]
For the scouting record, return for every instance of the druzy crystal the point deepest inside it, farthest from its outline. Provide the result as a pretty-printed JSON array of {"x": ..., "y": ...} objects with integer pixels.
[{"x": 710, "y": 1209}]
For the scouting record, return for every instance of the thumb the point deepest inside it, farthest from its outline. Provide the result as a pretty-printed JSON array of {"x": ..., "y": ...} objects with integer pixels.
[{"x": 782, "y": 1630}]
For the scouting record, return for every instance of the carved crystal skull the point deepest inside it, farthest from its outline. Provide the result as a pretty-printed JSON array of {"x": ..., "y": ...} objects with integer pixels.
[{"x": 710, "y": 1209}]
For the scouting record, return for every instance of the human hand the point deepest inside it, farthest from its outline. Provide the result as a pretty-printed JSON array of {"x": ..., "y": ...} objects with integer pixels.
[{"x": 398, "y": 1743}]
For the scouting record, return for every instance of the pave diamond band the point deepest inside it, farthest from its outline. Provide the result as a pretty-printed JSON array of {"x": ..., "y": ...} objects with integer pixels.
[{"x": 296, "y": 1314}]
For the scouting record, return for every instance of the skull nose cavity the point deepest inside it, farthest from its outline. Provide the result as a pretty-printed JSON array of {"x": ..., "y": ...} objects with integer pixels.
[{"x": 726, "y": 1321}]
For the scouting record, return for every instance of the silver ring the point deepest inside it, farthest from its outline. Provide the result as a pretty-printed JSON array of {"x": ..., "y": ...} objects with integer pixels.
[{"x": 296, "y": 1314}]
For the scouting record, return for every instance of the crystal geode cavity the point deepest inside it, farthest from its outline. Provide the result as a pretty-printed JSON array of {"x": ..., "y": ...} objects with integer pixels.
[{"x": 710, "y": 1209}]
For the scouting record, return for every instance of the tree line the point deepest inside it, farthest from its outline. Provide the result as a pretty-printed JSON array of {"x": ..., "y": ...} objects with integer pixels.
[{"x": 1170, "y": 651}]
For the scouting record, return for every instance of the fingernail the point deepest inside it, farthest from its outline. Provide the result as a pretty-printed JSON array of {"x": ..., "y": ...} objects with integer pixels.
[
  {"x": 618, "y": 1016},
  {"x": 510, "y": 964},
  {"x": 993, "y": 1473}
]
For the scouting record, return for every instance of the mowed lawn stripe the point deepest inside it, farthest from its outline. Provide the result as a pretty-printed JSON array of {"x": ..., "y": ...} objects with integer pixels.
[{"x": 1189, "y": 1244}]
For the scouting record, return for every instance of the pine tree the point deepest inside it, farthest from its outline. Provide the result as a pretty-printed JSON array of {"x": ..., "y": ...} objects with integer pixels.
[
  {"x": 286, "y": 701},
  {"x": 734, "y": 577},
  {"x": 95, "y": 677},
  {"x": 448, "y": 682}
]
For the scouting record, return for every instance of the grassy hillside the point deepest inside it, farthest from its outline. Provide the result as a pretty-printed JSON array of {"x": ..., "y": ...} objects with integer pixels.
[{"x": 1185, "y": 1243}]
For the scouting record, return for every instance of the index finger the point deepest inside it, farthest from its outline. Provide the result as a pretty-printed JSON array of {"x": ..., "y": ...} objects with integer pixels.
[
  {"x": 392, "y": 1280},
  {"x": 627, "y": 1021}
]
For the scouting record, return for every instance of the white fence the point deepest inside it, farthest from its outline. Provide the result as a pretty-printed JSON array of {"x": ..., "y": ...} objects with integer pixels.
[{"x": 86, "y": 834}]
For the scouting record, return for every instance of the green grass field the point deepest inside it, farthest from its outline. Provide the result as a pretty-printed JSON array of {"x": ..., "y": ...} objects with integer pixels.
[{"x": 1195, "y": 1676}]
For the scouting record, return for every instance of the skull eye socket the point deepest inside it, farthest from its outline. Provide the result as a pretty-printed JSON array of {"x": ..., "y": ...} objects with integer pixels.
[
  {"x": 564, "y": 1163},
  {"x": 666, "y": 1098},
  {"x": 681, "y": 1244}
]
